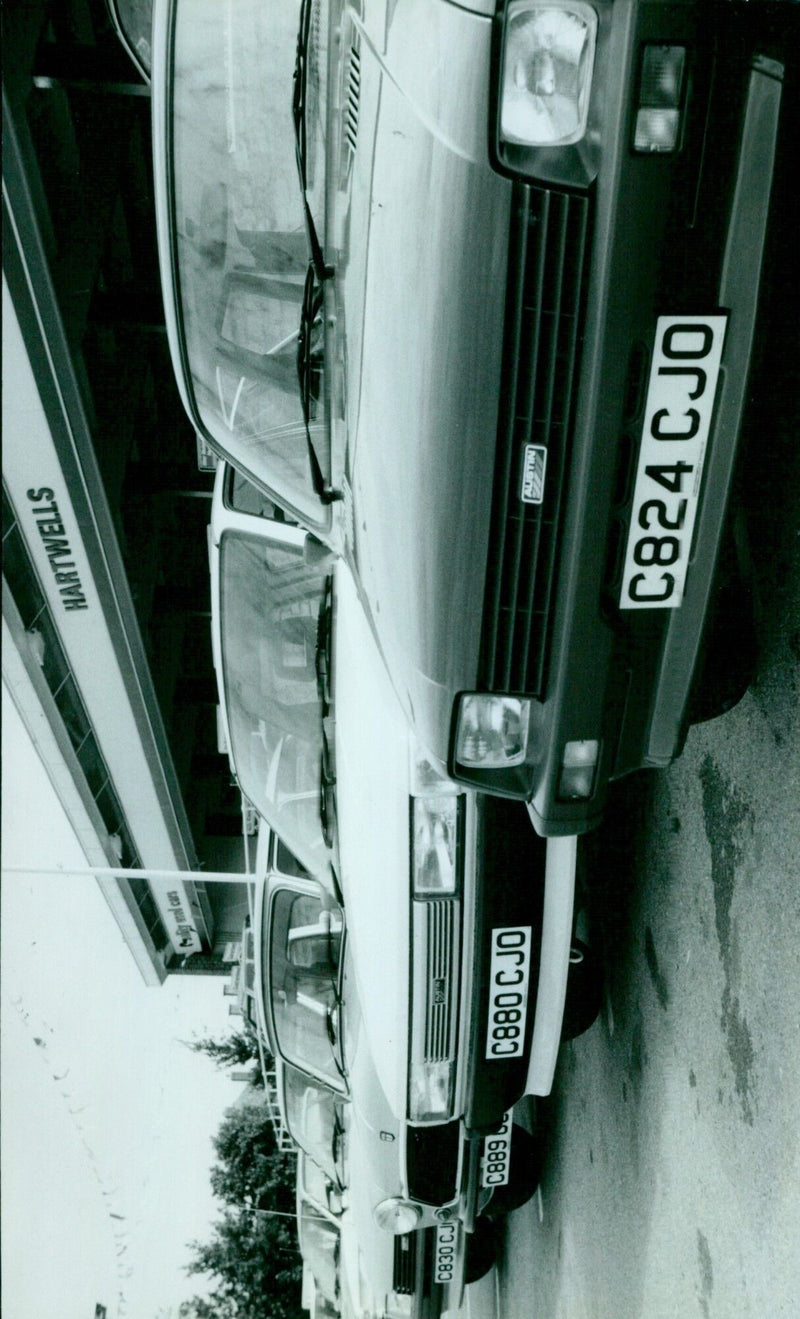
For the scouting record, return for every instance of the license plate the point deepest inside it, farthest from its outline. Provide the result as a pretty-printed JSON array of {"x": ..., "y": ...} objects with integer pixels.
[
  {"x": 496, "y": 1156},
  {"x": 445, "y": 1260},
  {"x": 680, "y": 402},
  {"x": 508, "y": 992}
]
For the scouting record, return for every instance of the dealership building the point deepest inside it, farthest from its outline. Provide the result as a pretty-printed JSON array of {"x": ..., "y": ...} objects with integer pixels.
[{"x": 106, "y": 613}]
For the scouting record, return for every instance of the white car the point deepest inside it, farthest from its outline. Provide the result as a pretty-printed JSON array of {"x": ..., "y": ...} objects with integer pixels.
[
  {"x": 454, "y": 982},
  {"x": 346, "y": 1168}
]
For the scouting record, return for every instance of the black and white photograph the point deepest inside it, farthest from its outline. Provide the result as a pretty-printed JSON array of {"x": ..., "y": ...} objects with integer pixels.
[{"x": 400, "y": 902}]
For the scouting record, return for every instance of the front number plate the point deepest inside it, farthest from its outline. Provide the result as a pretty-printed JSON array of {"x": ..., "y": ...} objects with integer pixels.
[
  {"x": 680, "y": 402},
  {"x": 496, "y": 1157},
  {"x": 508, "y": 992},
  {"x": 446, "y": 1241}
]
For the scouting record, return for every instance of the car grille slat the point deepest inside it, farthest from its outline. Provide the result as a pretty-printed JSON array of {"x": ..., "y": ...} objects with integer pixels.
[
  {"x": 536, "y": 315},
  {"x": 441, "y": 972},
  {"x": 405, "y": 1264},
  {"x": 353, "y": 94},
  {"x": 502, "y": 484},
  {"x": 546, "y": 282},
  {"x": 541, "y": 584}
]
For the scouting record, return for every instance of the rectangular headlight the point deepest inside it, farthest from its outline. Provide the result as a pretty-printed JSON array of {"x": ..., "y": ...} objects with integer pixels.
[
  {"x": 434, "y": 845},
  {"x": 492, "y": 731},
  {"x": 430, "y": 1091},
  {"x": 546, "y": 77}
]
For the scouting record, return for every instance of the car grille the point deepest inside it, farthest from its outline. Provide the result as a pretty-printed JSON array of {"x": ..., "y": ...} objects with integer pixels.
[
  {"x": 432, "y": 1162},
  {"x": 405, "y": 1264},
  {"x": 548, "y": 262},
  {"x": 442, "y": 981},
  {"x": 350, "y": 107}
]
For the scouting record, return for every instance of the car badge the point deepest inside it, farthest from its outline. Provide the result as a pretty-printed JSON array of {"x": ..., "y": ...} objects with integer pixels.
[{"x": 534, "y": 462}]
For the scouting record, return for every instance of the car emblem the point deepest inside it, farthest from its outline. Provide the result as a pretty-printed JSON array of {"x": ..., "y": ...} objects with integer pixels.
[
  {"x": 534, "y": 462},
  {"x": 439, "y": 994}
]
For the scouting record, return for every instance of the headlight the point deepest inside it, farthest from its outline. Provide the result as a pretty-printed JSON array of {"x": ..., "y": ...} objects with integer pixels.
[
  {"x": 492, "y": 731},
  {"x": 397, "y": 1215},
  {"x": 546, "y": 77},
  {"x": 430, "y": 1091},
  {"x": 434, "y": 845}
]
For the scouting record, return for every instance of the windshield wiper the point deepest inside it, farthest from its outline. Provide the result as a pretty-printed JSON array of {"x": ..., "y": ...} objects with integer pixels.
[
  {"x": 299, "y": 90},
  {"x": 310, "y": 366},
  {"x": 332, "y": 1030},
  {"x": 322, "y": 653},
  {"x": 336, "y": 1141},
  {"x": 327, "y": 797}
]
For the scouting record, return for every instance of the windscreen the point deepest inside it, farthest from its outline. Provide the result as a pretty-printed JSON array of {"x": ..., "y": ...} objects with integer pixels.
[
  {"x": 302, "y": 950},
  {"x": 270, "y": 601},
  {"x": 239, "y": 236},
  {"x": 135, "y": 19},
  {"x": 319, "y": 1246},
  {"x": 312, "y": 1116}
]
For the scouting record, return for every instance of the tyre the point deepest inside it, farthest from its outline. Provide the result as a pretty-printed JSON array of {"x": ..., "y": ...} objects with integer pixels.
[
  {"x": 524, "y": 1177},
  {"x": 584, "y": 991},
  {"x": 481, "y": 1250},
  {"x": 730, "y": 645}
]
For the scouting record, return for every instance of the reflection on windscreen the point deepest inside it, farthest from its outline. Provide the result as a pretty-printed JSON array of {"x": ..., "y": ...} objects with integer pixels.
[
  {"x": 319, "y": 1246},
  {"x": 244, "y": 497},
  {"x": 303, "y": 945},
  {"x": 287, "y": 864},
  {"x": 312, "y": 1118},
  {"x": 239, "y": 230},
  {"x": 135, "y": 17},
  {"x": 315, "y": 1184},
  {"x": 270, "y": 603}
]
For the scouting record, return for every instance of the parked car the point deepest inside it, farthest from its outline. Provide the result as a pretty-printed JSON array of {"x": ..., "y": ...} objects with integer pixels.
[
  {"x": 335, "y": 1256},
  {"x": 524, "y": 320},
  {"x": 346, "y": 1167},
  {"x": 460, "y": 971},
  {"x": 316, "y": 1118}
]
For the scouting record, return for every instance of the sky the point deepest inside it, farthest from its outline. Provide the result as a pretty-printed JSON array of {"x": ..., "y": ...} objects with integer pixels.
[{"x": 107, "y": 1116}]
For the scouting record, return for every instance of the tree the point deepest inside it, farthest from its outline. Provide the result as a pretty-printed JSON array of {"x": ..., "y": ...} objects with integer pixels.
[
  {"x": 234, "y": 1050},
  {"x": 212, "y": 1306},
  {"x": 251, "y": 1171},
  {"x": 252, "y": 1256},
  {"x": 254, "y": 1260}
]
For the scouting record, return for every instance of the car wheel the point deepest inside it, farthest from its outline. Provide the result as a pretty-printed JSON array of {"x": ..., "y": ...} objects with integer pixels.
[
  {"x": 524, "y": 1175},
  {"x": 481, "y": 1250},
  {"x": 729, "y": 656},
  {"x": 584, "y": 991}
]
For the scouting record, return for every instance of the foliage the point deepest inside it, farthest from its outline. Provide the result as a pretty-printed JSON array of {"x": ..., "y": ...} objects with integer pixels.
[
  {"x": 237, "y": 1049},
  {"x": 252, "y": 1257},
  {"x": 255, "y": 1264},
  {"x": 251, "y": 1171},
  {"x": 213, "y": 1306}
]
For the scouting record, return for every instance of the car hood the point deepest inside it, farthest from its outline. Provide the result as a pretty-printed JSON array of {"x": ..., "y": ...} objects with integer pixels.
[
  {"x": 423, "y": 257},
  {"x": 374, "y": 1150},
  {"x": 372, "y": 813}
]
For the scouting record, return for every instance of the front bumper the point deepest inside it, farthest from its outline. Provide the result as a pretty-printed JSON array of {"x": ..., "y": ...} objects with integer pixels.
[
  {"x": 515, "y": 882},
  {"x": 622, "y": 678}
]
